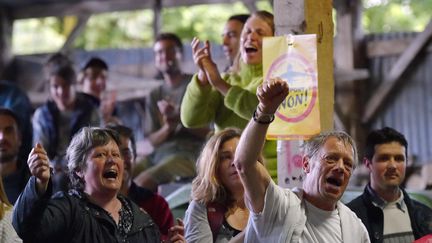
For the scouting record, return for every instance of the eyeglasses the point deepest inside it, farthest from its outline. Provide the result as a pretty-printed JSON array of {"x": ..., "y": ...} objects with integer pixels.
[{"x": 334, "y": 159}]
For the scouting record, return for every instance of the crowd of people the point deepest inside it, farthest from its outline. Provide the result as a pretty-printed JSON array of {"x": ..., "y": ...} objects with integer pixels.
[{"x": 69, "y": 171}]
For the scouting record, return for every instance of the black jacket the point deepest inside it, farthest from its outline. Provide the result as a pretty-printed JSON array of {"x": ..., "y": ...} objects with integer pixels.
[
  {"x": 373, "y": 217},
  {"x": 71, "y": 217}
]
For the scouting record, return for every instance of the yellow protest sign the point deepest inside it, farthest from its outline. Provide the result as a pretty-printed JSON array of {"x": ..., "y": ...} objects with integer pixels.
[{"x": 293, "y": 58}]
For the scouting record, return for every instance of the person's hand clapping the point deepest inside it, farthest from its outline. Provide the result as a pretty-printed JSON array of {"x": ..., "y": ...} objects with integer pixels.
[
  {"x": 208, "y": 71},
  {"x": 201, "y": 57},
  {"x": 167, "y": 109},
  {"x": 270, "y": 95},
  {"x": 170, "y": 115},
  {"x": 39, "y": 166}
]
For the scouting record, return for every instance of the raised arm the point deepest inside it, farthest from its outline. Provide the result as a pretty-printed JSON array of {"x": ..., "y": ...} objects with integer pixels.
[
  {"x": 253, "y": 174},
  {"x": 39, "y": 167},
  {"x": 35, "y": 190}
]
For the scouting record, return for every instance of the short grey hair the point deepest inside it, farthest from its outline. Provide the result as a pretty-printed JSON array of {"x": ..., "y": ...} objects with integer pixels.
[
  {"x": 77, "y": 153},
  {"x": 310, "y": 147}
]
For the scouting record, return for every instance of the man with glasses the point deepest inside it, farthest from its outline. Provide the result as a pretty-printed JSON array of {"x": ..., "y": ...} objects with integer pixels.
[{"x": 311, "y": 214}]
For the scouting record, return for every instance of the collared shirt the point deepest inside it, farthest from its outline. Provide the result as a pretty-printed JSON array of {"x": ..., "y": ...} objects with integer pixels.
[
  {"x": 377, "y": 201},
  {"x": 397, "y": 223}
]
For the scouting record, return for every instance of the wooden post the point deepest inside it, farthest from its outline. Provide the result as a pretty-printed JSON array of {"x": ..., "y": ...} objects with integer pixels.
[
  {"x": 76, "y": 31},
  {"x": 157, "y": 18},
  {"x": 307, "y": 17},
  {"x": 5, "y": 40},
  {"x": 319, "y": 21},
  {"x": 312, "y": 17}
]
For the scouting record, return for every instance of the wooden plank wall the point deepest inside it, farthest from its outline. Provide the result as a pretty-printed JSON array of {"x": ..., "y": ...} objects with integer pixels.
[{"x": 409, "y": 109}]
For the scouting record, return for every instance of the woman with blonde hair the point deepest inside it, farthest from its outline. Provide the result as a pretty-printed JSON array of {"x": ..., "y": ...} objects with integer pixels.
[
  {"x": 217, "y": 212},
  {"x": 7, "y": 232}
]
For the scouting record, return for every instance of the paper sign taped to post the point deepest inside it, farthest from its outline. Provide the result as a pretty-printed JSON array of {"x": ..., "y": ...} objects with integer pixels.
[{"x": 293, "y": 58}]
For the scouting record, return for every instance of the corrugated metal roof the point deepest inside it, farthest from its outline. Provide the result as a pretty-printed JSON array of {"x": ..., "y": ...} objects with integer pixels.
[{"x": 409, "y": 109}]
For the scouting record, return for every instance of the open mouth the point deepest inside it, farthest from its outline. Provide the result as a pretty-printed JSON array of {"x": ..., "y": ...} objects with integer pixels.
[
  {"x": 110, "y": 174},
  {"x": 334, "y": 181},
  {"x": 251, "y": 49}
]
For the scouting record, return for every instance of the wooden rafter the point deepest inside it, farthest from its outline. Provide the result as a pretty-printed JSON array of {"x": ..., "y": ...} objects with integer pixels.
[
  {"x": 380, "y": 48},
  {"x": 157, "y": 21},
  {"x": 63, "y": 8},
  {"x": 251, "y": 5},
  {"x": 392, "y": 79}
]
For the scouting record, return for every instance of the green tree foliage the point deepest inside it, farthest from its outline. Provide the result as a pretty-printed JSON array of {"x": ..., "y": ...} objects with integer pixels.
[
  {"x": 37, "y": 36},
  {"x": 203, "y": 21},
  {"x": 117, "y": 30},
  {"x": 134, "y": 29},
  {"x": 396, "y": 15}
]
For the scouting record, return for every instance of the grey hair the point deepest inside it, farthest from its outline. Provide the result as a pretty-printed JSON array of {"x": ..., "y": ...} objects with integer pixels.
[
  {"x": 77, "y": 153},
  {"x": 310, "y": 147}
]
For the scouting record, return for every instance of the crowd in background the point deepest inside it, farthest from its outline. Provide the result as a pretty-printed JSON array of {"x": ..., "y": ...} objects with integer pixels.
[{"x": 72, "y": 170}]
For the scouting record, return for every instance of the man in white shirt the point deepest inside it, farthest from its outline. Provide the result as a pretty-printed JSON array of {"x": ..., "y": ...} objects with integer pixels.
[{"x": 313, "y": 214}]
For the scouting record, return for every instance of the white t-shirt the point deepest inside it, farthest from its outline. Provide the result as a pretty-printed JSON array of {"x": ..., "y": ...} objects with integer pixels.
[
  {"x": 322, "y": 225},
  {"x": 284, "y": 219}
]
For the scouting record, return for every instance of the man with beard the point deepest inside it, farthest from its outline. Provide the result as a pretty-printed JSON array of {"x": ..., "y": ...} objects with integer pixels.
[
  {"x": 15, "y": 99},
  {"x": 386, "y": 210},
  {"x": 15, "y": 174},
  {"x": 175, "y": 147}
]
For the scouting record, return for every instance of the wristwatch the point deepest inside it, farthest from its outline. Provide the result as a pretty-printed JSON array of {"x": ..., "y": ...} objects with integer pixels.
[{"x": 263, "y": 118}]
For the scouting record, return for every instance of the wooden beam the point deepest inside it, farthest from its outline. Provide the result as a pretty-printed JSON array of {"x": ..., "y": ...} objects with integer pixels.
[
  {"x": 381, "y": 48},
  {"x": 293, "y": 23},
  {"x": 157, "y": 20},
  {"x": 377, "y": 100},
  {"x": 76, "y": 8},
  {"x": 99, "y": 6},
  {"x": 76, "y": 31},
  {"x": 312, "y": 17},
  {"x": 344, "y": 53},
  {"x": 319, "y": 21},
  {"x": 250, "y": 5},
  {"x": 346, "y": 76},
  {"x": 5, "y": 39}
]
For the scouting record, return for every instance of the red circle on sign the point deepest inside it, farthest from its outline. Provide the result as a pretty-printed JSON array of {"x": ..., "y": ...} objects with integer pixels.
[{"x": 309, "y": 70}]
